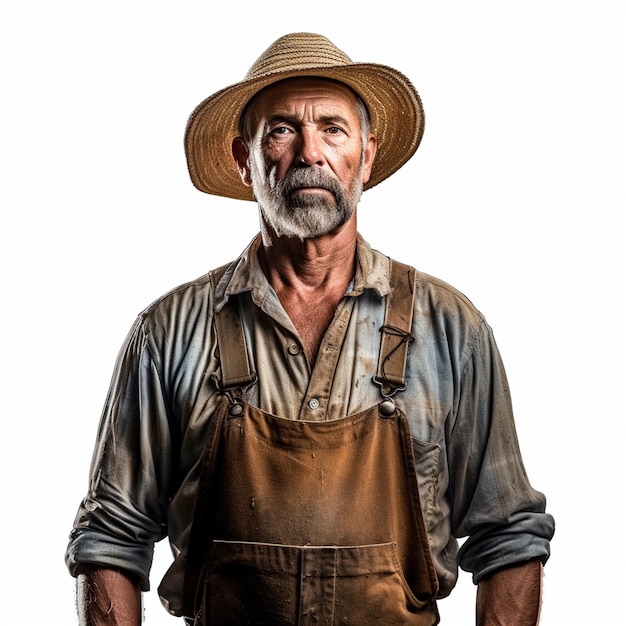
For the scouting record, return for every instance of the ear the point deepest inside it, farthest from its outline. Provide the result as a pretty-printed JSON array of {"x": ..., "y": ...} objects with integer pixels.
[
  {"x": 368, "y": 158},
  {"x": 241, "y": 154}
]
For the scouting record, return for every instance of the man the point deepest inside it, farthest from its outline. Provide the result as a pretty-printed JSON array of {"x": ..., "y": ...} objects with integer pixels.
[{"x": 312, "y": 425}]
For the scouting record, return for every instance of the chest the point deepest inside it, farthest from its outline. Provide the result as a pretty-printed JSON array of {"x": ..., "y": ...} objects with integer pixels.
[{"x": 311, "y": 314}]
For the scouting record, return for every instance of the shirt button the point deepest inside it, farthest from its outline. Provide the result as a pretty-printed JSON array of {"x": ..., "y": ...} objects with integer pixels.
[
  {"x": 314, "y": 404},
  {"x": 294, "y": 349}
]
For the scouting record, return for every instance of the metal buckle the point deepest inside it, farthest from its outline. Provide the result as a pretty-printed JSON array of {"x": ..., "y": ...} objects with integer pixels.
[{"x": 384, "y": 386}]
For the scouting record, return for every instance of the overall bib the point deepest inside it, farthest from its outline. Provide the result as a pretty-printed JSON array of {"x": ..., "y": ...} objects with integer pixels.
[{"x": 311, "y": 523}]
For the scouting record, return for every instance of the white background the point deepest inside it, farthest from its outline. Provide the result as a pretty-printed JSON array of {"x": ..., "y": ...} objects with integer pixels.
[{"x": 516, "y": 197}]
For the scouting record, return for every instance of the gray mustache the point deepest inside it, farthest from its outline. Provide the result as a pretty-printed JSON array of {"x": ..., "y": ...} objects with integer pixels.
[{"x": 309, "y": 177}]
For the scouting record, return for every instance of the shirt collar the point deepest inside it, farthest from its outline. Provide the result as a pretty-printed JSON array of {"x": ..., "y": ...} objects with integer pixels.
[{"x": 245, "y": 274}]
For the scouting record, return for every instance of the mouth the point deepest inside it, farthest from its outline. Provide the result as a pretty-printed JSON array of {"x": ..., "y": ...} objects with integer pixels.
[
  {"x": 313, "y": 194},
  {"x": 312, "y": 189}
]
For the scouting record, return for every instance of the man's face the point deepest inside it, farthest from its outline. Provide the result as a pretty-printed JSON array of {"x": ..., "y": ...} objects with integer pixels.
[{"x": 305, "y": 160}]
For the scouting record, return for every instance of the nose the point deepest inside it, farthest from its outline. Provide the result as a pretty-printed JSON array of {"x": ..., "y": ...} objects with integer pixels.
[{"x": 310, "y": 150}]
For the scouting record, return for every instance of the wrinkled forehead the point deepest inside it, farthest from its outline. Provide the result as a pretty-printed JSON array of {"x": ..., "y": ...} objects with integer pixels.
[{"x": 302, "y": 88}]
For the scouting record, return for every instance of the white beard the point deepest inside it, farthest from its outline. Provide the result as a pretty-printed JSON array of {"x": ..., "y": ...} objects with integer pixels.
[{"x": 302, "y": 215}]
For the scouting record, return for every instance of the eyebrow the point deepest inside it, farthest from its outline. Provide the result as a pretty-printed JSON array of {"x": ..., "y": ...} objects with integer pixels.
[{"x": 295, "y": 121}]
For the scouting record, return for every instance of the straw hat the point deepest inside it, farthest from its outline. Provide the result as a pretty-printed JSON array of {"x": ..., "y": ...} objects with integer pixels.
[{"x": 397, "y": 117}]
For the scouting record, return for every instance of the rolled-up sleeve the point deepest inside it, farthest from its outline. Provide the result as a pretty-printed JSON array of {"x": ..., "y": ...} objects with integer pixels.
[
  {"x": 124, "y": 514},
  {"x": 493, "y": 502}
]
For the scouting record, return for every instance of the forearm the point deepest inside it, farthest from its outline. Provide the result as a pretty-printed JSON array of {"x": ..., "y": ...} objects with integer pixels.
[
  {"x": 510, "y": 597},
  {"x": 107, "y": 597}
]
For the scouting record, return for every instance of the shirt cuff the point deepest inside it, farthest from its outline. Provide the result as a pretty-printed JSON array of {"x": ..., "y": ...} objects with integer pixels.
[
  {"x": 525, "y": 538},
  {"x": 91, "y": 547}
]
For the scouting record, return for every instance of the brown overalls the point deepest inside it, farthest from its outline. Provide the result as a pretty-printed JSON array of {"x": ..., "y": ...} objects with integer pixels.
[{"x": 303, "y": 523}]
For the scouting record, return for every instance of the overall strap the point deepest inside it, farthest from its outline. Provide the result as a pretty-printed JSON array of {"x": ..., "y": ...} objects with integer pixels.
[
  {"x": 236, "y": 374},
  {"x": 236, "y": 371},
  {"x": 396, "y": 331}
]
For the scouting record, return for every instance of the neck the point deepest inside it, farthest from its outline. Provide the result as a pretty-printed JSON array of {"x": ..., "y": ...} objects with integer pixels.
[{"x": 316, "y": 264}]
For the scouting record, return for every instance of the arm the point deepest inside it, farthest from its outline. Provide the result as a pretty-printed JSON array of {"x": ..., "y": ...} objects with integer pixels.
[
  {"x": 494, "y": 504},
  {"x": 510, "y": 597},
  {"x": 107, "y": 597},
  {"x": 122, "y": 515}
]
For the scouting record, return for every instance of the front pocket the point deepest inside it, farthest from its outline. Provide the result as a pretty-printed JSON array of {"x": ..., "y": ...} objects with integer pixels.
[
  {"x": 426, "y": 457},
  {"x": 251, "y": 583},
  {"x": 279, "y": 585}
]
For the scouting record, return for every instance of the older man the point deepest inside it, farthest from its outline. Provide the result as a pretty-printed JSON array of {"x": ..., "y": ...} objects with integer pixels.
[{"x": 314, "y": 424}]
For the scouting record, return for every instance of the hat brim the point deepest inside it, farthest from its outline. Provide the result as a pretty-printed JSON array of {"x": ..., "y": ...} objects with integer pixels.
[{"x": 395, "y": 108}]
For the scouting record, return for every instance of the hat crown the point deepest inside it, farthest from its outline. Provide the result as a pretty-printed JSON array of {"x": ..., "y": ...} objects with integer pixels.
[{"x": 298, "y": 51}]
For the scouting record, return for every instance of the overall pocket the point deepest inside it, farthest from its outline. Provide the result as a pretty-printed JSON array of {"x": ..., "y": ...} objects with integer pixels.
[{"x": 281, "y": 585}]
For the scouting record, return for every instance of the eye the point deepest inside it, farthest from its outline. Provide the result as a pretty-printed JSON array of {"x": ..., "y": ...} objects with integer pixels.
[
  {"x": 334, "y": 130},
  {"x": 280, "y": 130}
]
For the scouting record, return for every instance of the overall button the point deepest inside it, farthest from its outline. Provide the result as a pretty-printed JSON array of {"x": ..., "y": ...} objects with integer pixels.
[
  {"x": 236, "y": 410},
  {"x": 387, "y": 408},
  {"x": 294, "y": 349},
  {"x": 314, "y": 404}
]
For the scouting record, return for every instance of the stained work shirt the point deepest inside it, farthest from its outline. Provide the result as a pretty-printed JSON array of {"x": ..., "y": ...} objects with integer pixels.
[{"x": 164, "y": 391}]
